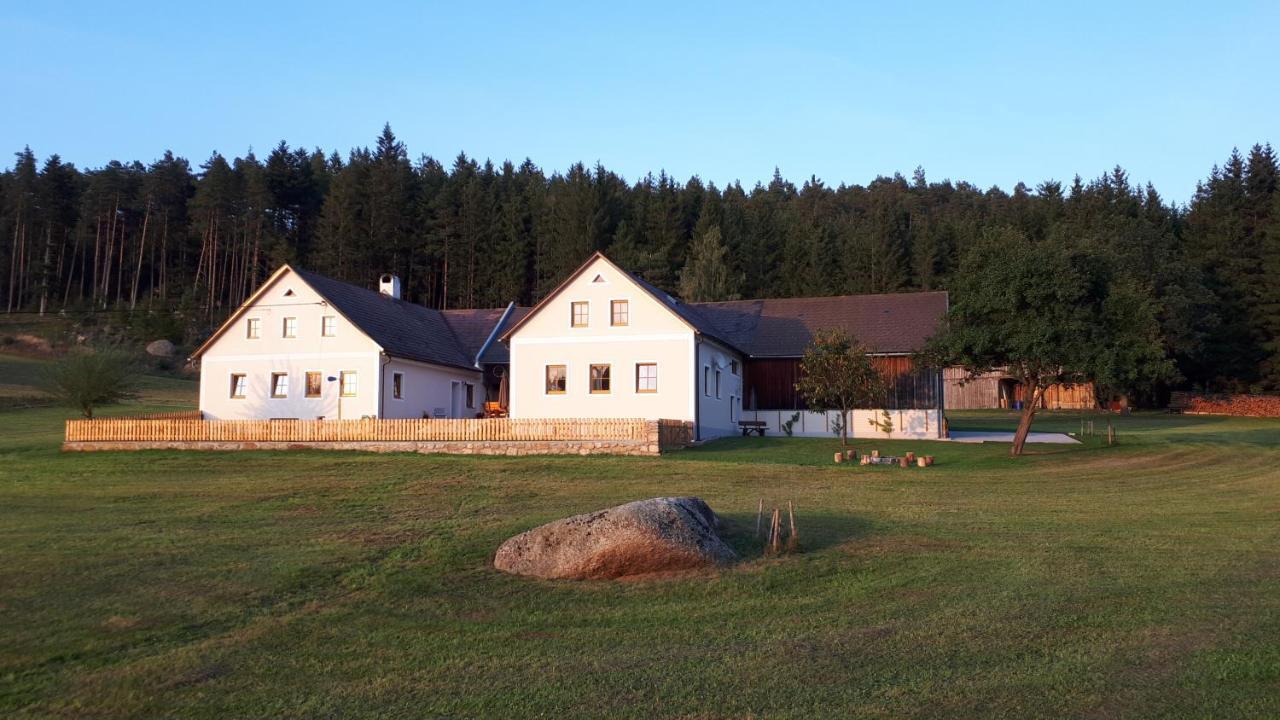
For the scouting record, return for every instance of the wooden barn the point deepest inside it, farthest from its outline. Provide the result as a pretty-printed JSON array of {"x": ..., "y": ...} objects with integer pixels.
[
  {"x": 997, "y": 390},
  {"x": 773, "y": 335}
]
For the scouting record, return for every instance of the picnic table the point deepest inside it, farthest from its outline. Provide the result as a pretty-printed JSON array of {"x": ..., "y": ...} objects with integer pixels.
[{"x": 752, "y": 426}]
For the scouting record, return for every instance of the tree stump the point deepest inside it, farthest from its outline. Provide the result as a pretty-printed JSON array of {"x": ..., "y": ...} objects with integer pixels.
[{"x": 839, "y": 458}]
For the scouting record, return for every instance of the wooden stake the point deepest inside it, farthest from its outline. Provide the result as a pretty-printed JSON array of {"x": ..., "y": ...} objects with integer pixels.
[{"x": 793, "y": 541}]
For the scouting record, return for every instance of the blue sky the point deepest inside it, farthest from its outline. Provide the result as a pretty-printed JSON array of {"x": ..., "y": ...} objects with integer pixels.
[{"x": 993, "y": 95}]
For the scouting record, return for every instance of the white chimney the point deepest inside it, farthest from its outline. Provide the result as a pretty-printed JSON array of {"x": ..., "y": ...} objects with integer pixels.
[{"x": 389, "y": 285}]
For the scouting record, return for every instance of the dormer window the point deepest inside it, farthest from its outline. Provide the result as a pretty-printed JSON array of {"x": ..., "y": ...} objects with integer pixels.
[
  {"x": 578, "y": 314},
  {"x": 619, "y": 313}
]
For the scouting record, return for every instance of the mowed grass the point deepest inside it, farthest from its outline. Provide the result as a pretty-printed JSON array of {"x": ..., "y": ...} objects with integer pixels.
[{"x": 1136, "y": 581}]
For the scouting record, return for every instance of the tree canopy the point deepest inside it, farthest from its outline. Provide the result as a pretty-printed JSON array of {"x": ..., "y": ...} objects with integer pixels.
[
  {"x": 1051, "y": 313},
  {"x": 193, "y": 239},
  {"x": 837, "y": 374}
]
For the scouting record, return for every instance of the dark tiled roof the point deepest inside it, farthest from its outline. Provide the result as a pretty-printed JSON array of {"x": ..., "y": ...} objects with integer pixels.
[
  {"x": 473, "y": 328},
  {"x": 403, "y": 329},
  {"x": 690, "y": 313},
  {"x": 892, "y": 323}
]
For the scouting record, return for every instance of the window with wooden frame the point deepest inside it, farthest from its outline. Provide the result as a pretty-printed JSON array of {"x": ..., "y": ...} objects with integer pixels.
[
  {"x": 238, "y": 383},
  {"x": 253, "y": 328},
  {"x": 733, "y": 366},
  {"x": 471, "y": 395},
  {"x": 290, "y": 328},
  {"x": 619, "y": 313},
  {"x": 314, "y": 384},
  {"x": 579, "y": 313},
  {"x": 557, "y": 378},
  {"x": 328, "y": 326},
  {"x": 397, "y": 386},
  {"x": 717, "y": 384},
  {"x": 646, "y": 377},
  {"x": 347, "y": 383},
  {"x": 279, "y": 385},
  {"x": 599, "y": 379},
  {"x": 706, "y": 381}
]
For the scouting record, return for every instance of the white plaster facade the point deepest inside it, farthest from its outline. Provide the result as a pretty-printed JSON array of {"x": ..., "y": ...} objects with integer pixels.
[
  {"x": 653, "y": 335},
  {"x": 328, "y": 348}
]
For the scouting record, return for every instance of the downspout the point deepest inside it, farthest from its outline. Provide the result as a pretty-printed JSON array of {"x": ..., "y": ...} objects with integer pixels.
[
  {"x": 697, "y": 398},
  {"x": 382, "y": 382}
]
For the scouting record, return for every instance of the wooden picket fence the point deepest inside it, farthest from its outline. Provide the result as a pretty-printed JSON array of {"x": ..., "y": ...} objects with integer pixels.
[{"x": 320, "y": 431}]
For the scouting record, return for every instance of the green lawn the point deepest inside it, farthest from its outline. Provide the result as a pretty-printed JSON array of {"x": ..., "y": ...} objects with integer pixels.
[{"x": 1136, "y": 581}]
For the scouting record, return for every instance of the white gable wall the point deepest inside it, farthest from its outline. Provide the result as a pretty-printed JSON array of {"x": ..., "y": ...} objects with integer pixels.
[
  {"x": 426, "y": 387},
  {"x": 234, "y": 352},
  {"x": 653, "y": 335}
]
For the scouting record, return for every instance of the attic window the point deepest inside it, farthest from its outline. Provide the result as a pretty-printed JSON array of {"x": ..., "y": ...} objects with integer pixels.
[
  {"x": 288, "y": 293},
  {"x": 599, "y": 279}
]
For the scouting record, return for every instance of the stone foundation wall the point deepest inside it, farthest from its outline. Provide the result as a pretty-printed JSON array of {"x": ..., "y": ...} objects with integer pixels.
[{"x": 468, "y": 447}]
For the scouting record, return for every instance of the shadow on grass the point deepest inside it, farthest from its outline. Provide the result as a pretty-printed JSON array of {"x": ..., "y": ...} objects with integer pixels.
[{"x": 816, "y": 531}]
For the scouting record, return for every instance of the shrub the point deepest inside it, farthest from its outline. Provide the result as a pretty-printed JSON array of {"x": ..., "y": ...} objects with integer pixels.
[{"x": 88, "y": 379}]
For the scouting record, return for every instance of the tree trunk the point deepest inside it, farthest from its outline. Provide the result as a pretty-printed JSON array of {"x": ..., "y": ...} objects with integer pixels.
[
  {"x": 142, "y": 246},
  {"x": 1028, "y": 414},
  {"x": 844, "y": 428}
]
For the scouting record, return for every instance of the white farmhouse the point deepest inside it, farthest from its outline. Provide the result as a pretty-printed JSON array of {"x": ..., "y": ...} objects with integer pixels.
[
  {"x": 305, "y": 346},
  {"x": 607, "y": 344}
]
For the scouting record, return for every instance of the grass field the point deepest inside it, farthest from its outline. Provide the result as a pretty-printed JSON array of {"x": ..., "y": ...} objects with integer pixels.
[{"x": 1136, "y": 581}]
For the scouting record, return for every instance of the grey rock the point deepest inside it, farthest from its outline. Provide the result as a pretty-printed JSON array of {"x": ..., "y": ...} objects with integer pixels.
[
  {"x": 646, "y": 536},
  {"x": 161, "y": 348}
]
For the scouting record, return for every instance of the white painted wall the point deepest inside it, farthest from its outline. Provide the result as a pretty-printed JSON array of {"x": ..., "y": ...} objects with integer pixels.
[
  {"x": 429, "y": 389},
  {"x": 718, "y": 416},
  {"x": 348, "y": 350},
  {"x": 234, "y": 352},
  {"x": 653, "y": 334},
  {"x": 907, "y": 424}
]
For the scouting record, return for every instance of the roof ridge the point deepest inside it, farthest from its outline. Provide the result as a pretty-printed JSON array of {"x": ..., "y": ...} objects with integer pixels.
[{"x": 818, "y": 297}]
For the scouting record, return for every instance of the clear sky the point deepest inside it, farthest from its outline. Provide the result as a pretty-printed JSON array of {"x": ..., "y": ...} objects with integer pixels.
[{"x": 992, "y": 93}]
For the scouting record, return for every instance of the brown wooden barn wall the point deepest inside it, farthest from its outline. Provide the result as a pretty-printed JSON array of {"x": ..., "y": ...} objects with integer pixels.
[
  {"x": 773, "y": 381},
  {"x": 984, "y": 393}
]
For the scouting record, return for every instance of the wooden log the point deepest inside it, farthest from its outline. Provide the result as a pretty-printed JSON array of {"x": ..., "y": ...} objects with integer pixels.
[{"x": 839, "y": 458}]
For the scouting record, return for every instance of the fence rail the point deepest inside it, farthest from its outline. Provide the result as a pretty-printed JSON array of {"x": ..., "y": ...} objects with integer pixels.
[{"x": 668, "y": 433}]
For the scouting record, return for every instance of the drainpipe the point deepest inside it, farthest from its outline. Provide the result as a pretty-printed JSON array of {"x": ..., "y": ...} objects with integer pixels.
[
  {"x": 697, "y": 397},
  {"x": 382, "y": 381}
]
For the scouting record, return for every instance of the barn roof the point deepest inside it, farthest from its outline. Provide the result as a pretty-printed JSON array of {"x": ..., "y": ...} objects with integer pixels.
[{"x": 784, "y": 327}]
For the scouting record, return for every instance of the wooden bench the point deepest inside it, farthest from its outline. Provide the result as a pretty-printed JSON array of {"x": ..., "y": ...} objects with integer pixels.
[{"x": 752, "y": 426}]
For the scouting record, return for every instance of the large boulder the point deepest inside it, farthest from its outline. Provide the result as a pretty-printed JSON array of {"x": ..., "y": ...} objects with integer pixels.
[
  {"x": 160, "y": 348},
  {"x": 645, "y": 536}
]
